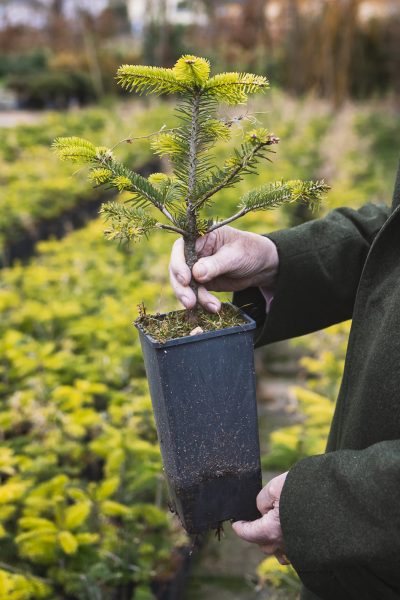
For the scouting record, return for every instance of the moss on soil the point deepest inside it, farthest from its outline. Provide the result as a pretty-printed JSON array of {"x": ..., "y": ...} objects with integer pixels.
[{"x": 176, "y": 324}]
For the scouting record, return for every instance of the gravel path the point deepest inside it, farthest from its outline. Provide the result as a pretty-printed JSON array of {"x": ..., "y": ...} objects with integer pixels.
[{"x": 10, "y": 118}]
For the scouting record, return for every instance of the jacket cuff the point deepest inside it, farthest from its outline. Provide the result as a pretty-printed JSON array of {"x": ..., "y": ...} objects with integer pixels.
[
  {"x": 303, "y": 533},
  {"x": 316, "y": 511}
]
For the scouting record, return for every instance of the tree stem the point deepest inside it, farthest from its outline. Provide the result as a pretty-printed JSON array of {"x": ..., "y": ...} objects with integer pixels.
[
  {"x": 191, "y": 215},
  {"x": 191, "y": 259}
]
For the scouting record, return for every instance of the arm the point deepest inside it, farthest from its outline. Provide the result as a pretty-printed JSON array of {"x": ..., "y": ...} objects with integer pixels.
[
  {"x": 336, "y": 518},
  {"x": 320, "y": 264},
  {"x": 340, "y": 514}
]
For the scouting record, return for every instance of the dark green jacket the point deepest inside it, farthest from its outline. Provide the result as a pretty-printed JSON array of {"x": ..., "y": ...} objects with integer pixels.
[{"x": 340, "y": 511}]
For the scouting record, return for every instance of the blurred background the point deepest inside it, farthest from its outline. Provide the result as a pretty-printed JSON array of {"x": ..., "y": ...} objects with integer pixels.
[
  {"x": 62, "y": 53},
  {"x": 83, "y": 507}
]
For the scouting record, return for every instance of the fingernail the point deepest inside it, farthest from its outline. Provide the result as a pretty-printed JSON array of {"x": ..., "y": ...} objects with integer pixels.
[
  {"x": 201, "y": 270},
  {"x": 212, "y": 307},
  {"x": 185, "y": 301}
]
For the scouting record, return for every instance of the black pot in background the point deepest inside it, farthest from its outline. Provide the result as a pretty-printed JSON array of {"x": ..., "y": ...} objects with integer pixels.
[{"x": 203, "y": 393}]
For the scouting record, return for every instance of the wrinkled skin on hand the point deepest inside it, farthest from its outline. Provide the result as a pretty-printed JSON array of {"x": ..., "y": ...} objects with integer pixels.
[
  {"x": 266, "y": 531},
  {"x": 229, "y": 260}
]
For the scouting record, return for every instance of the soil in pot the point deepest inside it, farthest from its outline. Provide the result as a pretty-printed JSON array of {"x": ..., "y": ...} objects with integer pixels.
[{"x": 176, "y": 324}]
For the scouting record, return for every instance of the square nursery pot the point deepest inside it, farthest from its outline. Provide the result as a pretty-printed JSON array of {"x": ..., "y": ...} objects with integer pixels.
[{"x": 203, "y": 393}]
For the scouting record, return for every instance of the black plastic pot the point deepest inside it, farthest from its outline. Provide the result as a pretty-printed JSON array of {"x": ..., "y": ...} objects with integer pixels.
[{"x": 203, "y": 393}]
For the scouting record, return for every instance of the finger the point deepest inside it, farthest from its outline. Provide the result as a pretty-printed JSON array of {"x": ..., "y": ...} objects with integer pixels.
[
  {"x": 253, "y": 531},
  {"x": 265, "y": 499},
  {"x": 228, "y": 284},
  {"x": 208, "y": 301},
  {"x": 206, "y": 244},
  {"x": 270, "y": 494},
  {"x": 184, "y": 294},
  {"x": 209, "y": 267},
  {"x": 177, "y": 265}
]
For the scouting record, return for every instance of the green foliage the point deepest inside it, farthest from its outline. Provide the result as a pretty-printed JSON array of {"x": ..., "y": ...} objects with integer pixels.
[
  {"x": 37, "y": 189},
  {"x": 188, "y": 73},
  {"x": 189, "y": 146},
  {"x": 290, "y": 444},
  {"x": 82, "y": 505},
  {"x": 234, "y": 88},
  {"x": 324, "y": 360},
  {"x": 53, "y": 88},
  {"x": 152, "y": 80},
  {"x": 19, "y": 587},
  {"x": 108, "y": 170},
  {"x": 76, "y": 149},
  {"x": 324, "y": 366},
  {"x": 269, "y": 571},
  {"x": 275, "y": 194},
  {"x": 73, "y": 395},
  {"x": 192, "y": 70},
  {"x": 127, "y": 223},
  {"x": 23, "y": 64}
]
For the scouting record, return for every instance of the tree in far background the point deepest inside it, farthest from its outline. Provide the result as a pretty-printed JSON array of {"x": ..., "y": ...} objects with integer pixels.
[
  {"x": 335, "y": 49},
  {"x": 63, "y": 55}
]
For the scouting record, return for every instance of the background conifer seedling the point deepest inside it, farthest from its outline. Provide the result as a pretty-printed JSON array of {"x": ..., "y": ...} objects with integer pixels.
[{"x": 179, "y": 198}]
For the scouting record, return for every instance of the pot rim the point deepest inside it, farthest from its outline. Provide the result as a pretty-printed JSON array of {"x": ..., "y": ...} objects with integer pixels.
[{"x": 187, "y": 339}]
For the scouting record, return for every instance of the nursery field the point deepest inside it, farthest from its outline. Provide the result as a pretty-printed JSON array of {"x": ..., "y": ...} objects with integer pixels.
[
  {"x": 39, "y": 195},
  {"x": 83, "y": 507}
]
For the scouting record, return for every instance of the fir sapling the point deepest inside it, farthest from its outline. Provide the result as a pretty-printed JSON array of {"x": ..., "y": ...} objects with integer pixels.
[{"x": 175, "y": 202}]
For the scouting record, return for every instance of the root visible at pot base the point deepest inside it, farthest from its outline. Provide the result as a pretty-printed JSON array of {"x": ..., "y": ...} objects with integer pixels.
[
  {"x": 176, "y": 324},
  {"x": 219, "y": 532}
]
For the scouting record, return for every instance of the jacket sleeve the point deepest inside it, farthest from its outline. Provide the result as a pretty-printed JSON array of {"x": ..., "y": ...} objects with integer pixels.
[
  {"x": 340, "y": 516},
  {"x": 320, "y": 265}
]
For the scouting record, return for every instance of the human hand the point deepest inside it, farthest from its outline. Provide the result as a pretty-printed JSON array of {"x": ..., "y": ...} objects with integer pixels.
[
  {"x": 229, "y": 260},
  {"x": 266, "y": 531}
]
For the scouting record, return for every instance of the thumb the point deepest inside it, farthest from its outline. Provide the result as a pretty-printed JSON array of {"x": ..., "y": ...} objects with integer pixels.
[
  {"x": 220, "y": 263},
  {"x": 265, "y": 531}
]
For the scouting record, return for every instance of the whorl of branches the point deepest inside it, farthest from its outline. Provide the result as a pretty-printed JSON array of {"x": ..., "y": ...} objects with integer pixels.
[{"x": 195, "y": 178}]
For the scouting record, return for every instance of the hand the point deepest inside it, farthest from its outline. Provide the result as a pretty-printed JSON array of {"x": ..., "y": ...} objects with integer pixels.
[
  {"x": 266, "y": 531},
  {"x": 229, "y": 260}
]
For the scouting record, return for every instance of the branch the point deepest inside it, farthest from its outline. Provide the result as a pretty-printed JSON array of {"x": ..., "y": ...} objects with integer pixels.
[
  {"x": 274, "y": 195},
  {"x": 153, "y": 80},
  {"x": 171, "y": 228},
  {"x": 127, "y": 223},
  {"x": 166, "y": 213},
  {"x": 234, "y": 88},
  {"x": 131, "y": 139},
  {"x": 219, "y": 224},
  {"x": 138, "y": 184},
  {"x": 230, "y": 177}
]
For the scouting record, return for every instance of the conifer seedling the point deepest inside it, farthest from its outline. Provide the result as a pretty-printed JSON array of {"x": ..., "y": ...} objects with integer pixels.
[
  {"x": 175, "y": 202},
  {"x": 202, "y": 386}
]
